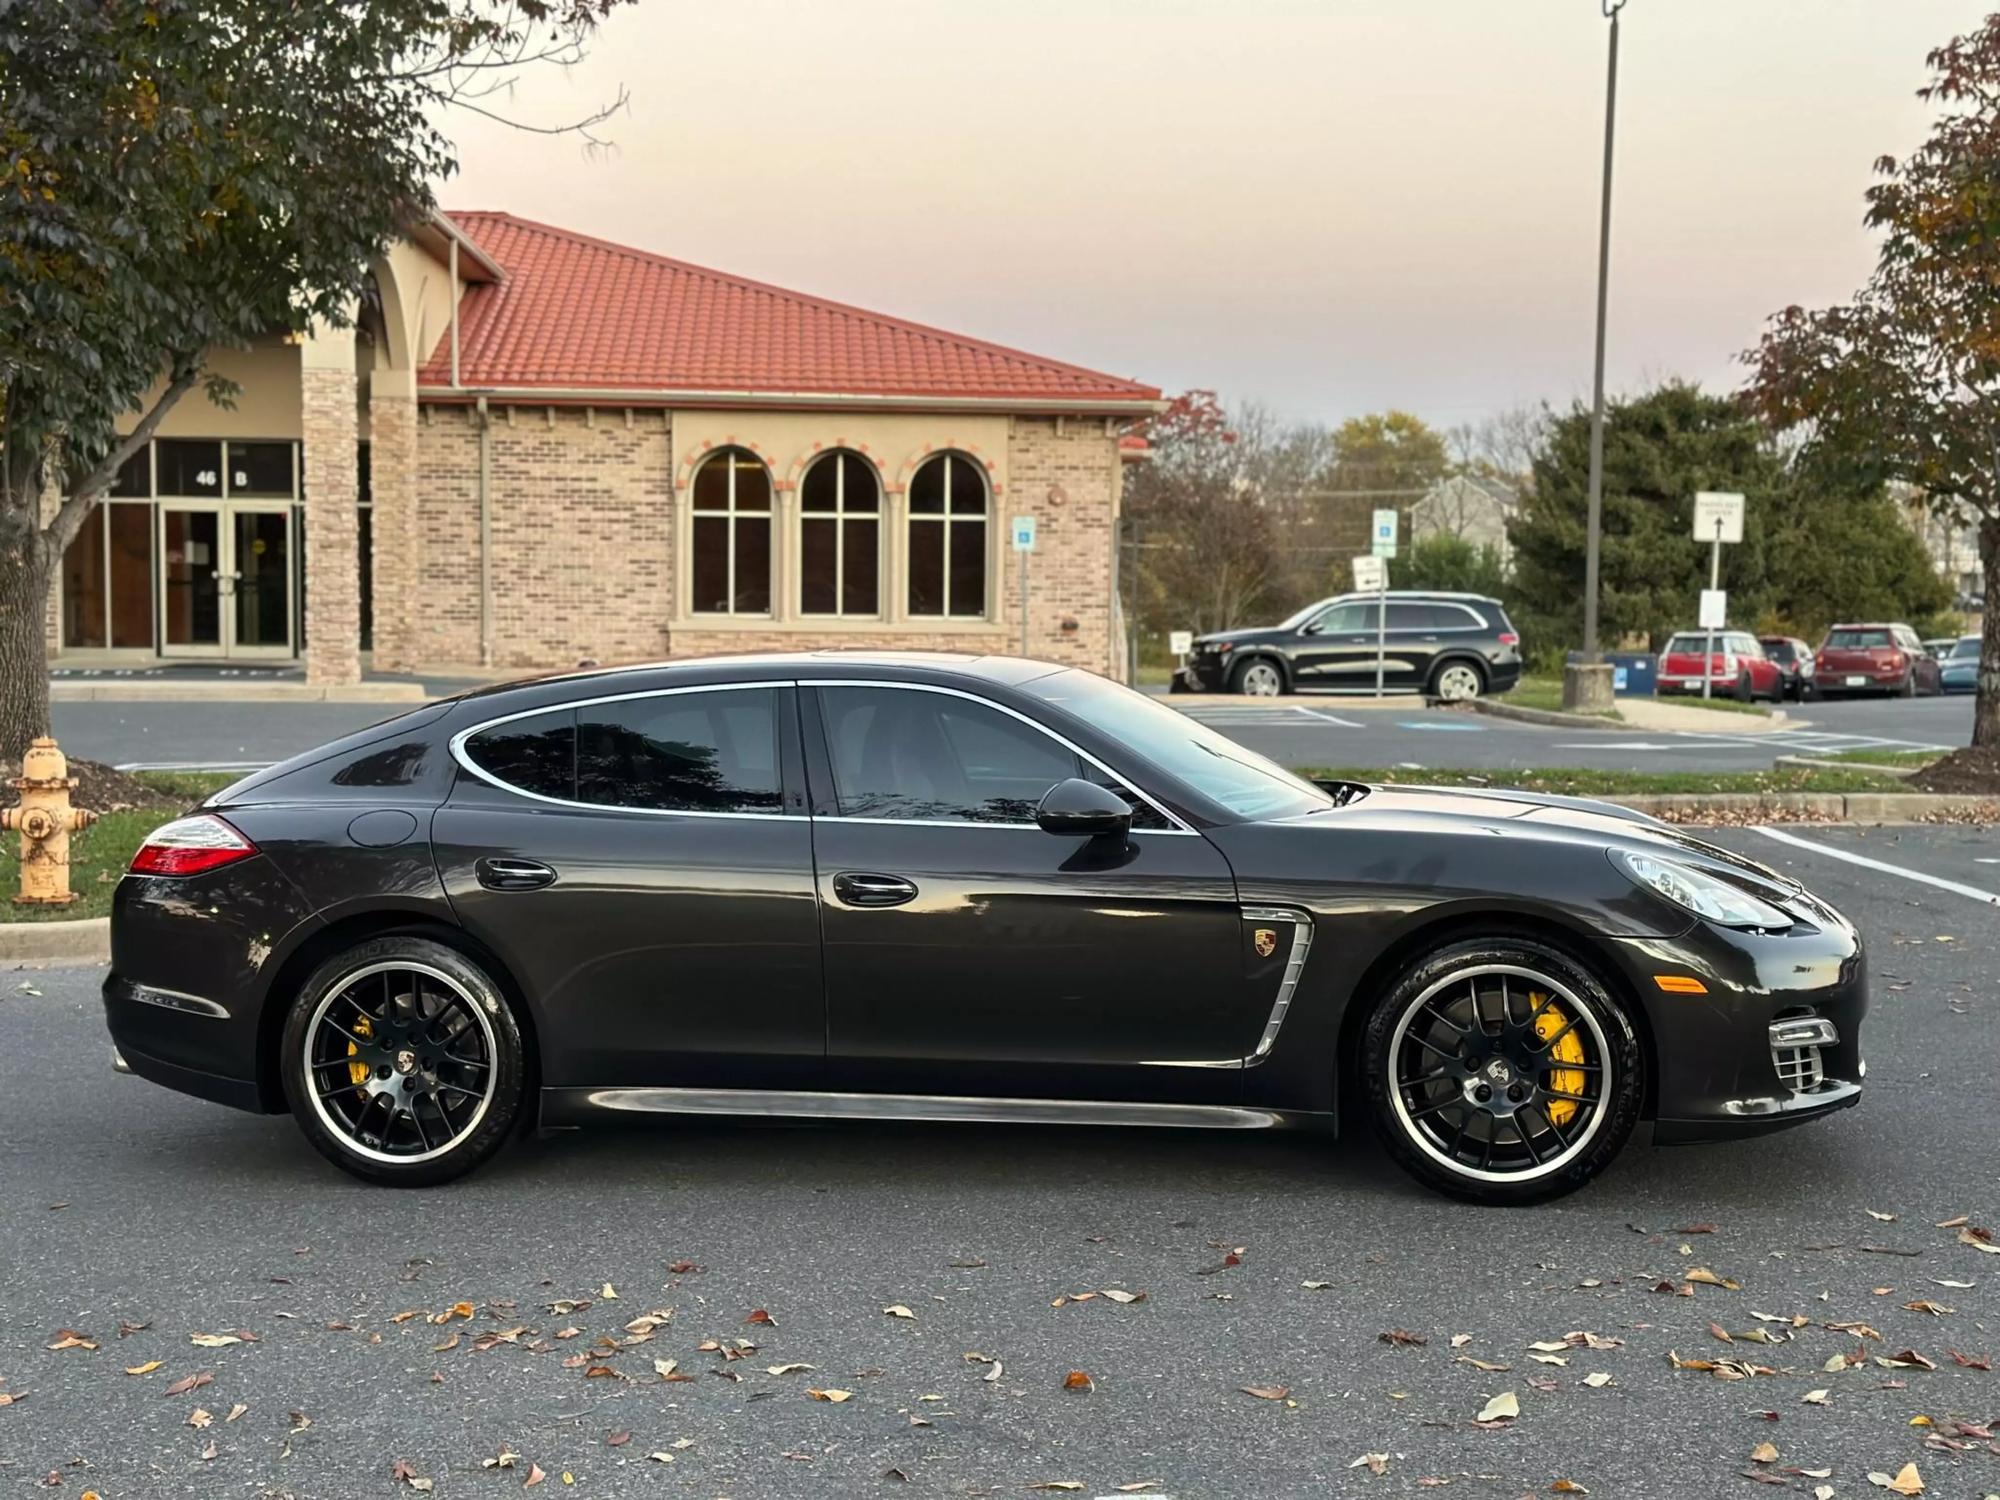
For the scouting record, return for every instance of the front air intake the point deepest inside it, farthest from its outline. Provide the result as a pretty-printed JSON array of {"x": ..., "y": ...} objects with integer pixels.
[{"x": 1798, "y": 1044}]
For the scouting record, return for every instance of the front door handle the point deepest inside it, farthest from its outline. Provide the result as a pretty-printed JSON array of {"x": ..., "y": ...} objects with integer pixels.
[
  {"x": 860, "y": 889},
  {"x": 514, "y": 874}
]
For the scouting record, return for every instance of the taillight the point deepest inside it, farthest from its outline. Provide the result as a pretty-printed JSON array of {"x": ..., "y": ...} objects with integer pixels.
[
  {"x": 189, "y": 846},
  {"x": 1508, "y": 638}
]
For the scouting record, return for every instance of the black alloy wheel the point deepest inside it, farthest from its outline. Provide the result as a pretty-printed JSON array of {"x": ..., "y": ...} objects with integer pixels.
[
  {"x": 403, "y": 1062},
  {"x": 1501, "y": 1071}
]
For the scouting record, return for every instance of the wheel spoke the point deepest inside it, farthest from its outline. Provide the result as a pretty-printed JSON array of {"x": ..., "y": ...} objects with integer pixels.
[
  {"x": 1533, "y": 1155},
  {"x": 417, "y": 1119},
  {"x": 1566, "y": 1028},
  {"x": 1565, "y": 1094},
  {"x": 1435, "y": 1106},
  {"x": 1449, "y": 1056},
  {"x": 1554, "y": 1129}
]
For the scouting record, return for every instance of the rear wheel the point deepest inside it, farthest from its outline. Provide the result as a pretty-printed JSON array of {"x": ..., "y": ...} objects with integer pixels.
[
  {"x": 1501, "y": 1071},
  {"x": 1907, "y": 688},
  {"x": 1258, "y": 677},
  {"x": 1457, "y": 682},
  {"x": 403, "y": 1062}
]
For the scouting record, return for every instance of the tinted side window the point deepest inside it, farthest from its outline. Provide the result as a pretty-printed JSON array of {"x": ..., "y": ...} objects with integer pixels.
[
  {"x": 682, "y": 752},
  {"x": 899, "y": 753},
  {"x": 1345, "y": 619},
  {"x": 1411, "y": 617},
  {"x": 536, "y": 754}
]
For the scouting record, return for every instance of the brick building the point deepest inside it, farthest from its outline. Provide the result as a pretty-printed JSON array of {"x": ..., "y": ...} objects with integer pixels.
[{"x": 535, "y": 448}]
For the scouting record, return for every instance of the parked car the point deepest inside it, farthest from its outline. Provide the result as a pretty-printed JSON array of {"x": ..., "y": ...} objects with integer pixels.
[
  {"x": 1794, "y": 660},
  {"x": 1451, "y": 646},
  {"x": 1875, "y": 658},
  {"x": 897, "y": 886},
  {"x": 1959, "y": 672},
  {"x": 1736, "y": 667},
  {"x": 1938, "y": 647}
]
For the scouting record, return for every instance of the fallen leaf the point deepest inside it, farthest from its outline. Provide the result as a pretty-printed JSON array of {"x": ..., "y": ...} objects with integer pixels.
[
  {"x": 1501, "y": 1408},
  {"x": 1404, "y": 1336},
  {"x": 1764, "y": 1453},
  {"x": 1907, "y": 1480},
  {"x": 69, "y": 1338},
  {"x": 763, "y": 1317},
  {"x": 1481, "y": 1364},
  {"x": 1816, "y": 1398},
  {"x": 535, "y": 1475},
  {"x": 1567, "y": 1487},
  {"x": 1460, "y": 1340},
  {"x": 1315, "y": 1286},
  {"x": 146, "y": 1369},
  {"x": 1548, "y": 1359},
  {"x": 1077, "y": 1380},
  {"x": 830, "y": 1395},
  {"x": 617, "y": 1439},
  {"x": 1708, "y": 1278},
  {"x": 1597, "y": 1379},
  {"x": 1969, "y": 1361},
  {"x": 1124, "y": 1297},
  {"x": 661, "y": 1458},
  {"x": 236, "y": 1411},
  {"x": 1874, "y": 1213},
  {"x": 1374, "y": 1463},
  {"x": 1935, "y": 1309},
  {"x": 1548, "y": 1346},
  {"x": 1058, "y": 1484},
  {"x": 1266, "y": 1392},
  {"x": 200, "y": 1417},
  {"x": 1137, "y": 1485},
  {"x": 1979, "y": 1239},
  {"x": 608, "y": 1292},
  {"x": 188, "y": 1383},
  {"x": 771, "y": 1370},
  {"x": 897, "y": 1310}
]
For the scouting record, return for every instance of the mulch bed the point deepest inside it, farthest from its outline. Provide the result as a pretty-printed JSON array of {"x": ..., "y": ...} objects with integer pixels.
[
  {"x": 100, "y": 788},
  {"x": 1974, "y": 770}
]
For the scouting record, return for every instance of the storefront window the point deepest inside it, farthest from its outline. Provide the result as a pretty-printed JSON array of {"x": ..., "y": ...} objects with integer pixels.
[
  {"x": 260, "y": 471},
  {"x": 189, "y": 467}
]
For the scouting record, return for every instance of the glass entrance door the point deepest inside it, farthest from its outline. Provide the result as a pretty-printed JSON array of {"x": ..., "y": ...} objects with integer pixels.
[
  {"x": 191, "y": 574},
  {"x": 226, "y": 580}
]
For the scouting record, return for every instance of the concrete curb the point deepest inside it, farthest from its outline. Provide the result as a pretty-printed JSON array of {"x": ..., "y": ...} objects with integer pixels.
[
  {"x": 1548, "y": 716},
  {"x": 1807, "y": 762},
  {"x": 233, "y": 692},
  {"x": 87, "y": 941},
  {"x": 1831, "y": 807}
]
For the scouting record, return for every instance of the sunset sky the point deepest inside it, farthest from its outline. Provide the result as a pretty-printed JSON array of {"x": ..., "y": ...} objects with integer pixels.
[{"x": 1331, "y": 206}]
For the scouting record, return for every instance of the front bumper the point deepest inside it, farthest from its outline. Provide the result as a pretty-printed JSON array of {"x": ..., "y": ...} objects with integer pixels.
[
  {"x": 1716, "y": 1073},
  {"x": 1202, "y": 672}
]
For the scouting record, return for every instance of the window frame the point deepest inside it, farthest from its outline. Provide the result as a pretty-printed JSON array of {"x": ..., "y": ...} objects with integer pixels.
[
  {"x": 840, "y": 515},
  {"x": 820, "y": 759},
  {"x": 945, "y": 520},
  {"x": 730, "y": 516},
  {"x": 790, "y": 776}
]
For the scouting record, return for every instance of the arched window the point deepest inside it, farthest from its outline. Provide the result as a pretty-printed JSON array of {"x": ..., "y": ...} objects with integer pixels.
[
  {"x": 948, "y": 537},
  {"x": 731, "y": 535},
  {"x": 840, "y": 537}
]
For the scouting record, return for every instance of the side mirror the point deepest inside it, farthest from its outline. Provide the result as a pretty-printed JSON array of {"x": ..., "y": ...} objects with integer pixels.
[{"x": 1083, "y": 809}]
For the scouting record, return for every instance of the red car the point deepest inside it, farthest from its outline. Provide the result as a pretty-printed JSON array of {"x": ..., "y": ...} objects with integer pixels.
[
  {"x": 1876, "y": 659},
  {"x": 1795, "y": 660},
  {"x": 1737, "y": 668}
]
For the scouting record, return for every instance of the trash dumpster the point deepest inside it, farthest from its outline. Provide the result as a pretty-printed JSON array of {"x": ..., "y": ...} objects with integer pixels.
[{"x": 1634, "y": 674}]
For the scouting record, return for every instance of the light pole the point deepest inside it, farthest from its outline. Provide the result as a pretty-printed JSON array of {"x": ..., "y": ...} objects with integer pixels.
[{"x": 1596, "y": 521}]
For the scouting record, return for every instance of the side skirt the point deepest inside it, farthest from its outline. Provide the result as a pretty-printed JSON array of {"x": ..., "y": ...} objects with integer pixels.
[{"x": 574, "y": 1106}]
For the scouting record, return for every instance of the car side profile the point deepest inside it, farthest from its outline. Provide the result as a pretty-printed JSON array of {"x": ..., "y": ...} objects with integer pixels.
[
  {"x": 1449, "y": 646},
  {"x": 990, "y": 889},
  {"x": 1959, "y": 671}
]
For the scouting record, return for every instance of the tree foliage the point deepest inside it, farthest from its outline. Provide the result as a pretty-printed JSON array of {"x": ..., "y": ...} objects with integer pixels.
[
  {"x": 1820, "y": 540},
  {"x": 1903, "y": 381},
  {"x": 179, "y": 175},
  {"x": 1454, "y": 565}
]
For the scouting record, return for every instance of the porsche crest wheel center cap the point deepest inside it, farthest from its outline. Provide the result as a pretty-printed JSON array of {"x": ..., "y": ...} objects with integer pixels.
[
  {"x": 406, "y": 1062},
  {"x": 1498, "y": 1072}
]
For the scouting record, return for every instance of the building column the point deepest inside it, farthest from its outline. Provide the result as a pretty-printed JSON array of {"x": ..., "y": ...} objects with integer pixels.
[
  {"x": 392, "y": 482},
  {"x": 329, "y": 426}
]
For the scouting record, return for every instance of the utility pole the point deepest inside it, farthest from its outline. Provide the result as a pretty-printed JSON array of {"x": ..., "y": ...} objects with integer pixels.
[{"x": 1580, "y": 690}]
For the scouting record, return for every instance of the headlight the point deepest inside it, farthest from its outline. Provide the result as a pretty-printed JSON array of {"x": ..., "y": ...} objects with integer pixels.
[{"x": 1700, "y": 892}]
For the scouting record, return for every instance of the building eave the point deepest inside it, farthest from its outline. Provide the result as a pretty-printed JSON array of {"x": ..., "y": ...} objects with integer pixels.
[{"x": 1130, "y": 407}]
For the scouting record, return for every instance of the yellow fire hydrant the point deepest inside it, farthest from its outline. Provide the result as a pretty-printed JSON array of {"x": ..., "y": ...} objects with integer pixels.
[{"x": 46, "y": 820}]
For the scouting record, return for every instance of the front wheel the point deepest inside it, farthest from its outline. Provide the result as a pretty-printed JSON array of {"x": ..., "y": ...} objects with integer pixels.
[
  {"x": 1501, "y": 1071},
  {"x": 1457, "y": 682},
  {"x": 1258, "y": 678},
  {"x": 403, "y": 1062}
]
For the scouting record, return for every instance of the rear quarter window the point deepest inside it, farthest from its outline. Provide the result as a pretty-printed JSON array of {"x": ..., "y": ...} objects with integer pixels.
[{"x": 536, "y": 754}]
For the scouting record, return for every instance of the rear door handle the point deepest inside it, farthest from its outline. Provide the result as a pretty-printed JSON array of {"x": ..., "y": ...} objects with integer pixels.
[
  {"x": 861, "y": 889},
  {"x": 514, "y": 874}
]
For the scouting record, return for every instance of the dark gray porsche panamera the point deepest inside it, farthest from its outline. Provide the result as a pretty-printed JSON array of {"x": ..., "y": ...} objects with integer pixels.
[{"x": 871, "y": 885}]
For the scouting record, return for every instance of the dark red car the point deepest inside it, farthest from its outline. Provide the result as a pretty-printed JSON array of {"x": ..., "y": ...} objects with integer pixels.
[
  {"x": 1736, "y": 668},
  {"x": 1795, "y": 660},
  {"x": 1875, "y": 658}
]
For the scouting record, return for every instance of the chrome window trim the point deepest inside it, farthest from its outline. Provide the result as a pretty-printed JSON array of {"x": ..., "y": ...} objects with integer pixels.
[
  {"x": 1179, "y": 830},
  {"x": 457, "y": 743}
]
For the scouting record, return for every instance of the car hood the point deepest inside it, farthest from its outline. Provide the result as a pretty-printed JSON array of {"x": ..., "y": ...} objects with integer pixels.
[{"x": 1469, "y": 809}]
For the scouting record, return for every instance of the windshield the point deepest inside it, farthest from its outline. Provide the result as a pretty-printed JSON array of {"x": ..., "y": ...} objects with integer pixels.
[
  {"x": 1220, "y": 769},
  {"x": 1294, "y": 621},
  {"x": 1857, "y": 640},
  {"x": 1966, "y": 650}
]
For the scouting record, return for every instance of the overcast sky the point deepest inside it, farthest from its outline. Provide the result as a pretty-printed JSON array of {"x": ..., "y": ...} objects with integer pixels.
[{"x": 1332, "y": 206}]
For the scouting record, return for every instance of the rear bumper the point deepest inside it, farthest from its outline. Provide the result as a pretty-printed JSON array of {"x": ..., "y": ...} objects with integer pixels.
[{"x": 130, "y": 1054}]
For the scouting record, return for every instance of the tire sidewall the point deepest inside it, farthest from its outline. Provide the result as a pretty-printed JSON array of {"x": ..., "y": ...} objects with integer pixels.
[
  {"x": 510, "y": 1061},
  {"x": 1242, "y": 671},
  {"x": 1478, "y": 680},
  {"x": 1621, "y": 1037}
]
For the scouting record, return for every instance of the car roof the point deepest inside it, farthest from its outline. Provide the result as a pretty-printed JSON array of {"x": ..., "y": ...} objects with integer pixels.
[
  {"x": 1869, "y": 625},
  {"x": 1006, "y": 671}
]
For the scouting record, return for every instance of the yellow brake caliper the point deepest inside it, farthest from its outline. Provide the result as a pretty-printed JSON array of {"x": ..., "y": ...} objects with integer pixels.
[
  {"x": 1548, "y": 1021},
  {"x": 357, "y": 1072}
]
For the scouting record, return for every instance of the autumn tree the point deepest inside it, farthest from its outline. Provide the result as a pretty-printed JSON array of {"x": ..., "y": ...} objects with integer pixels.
[
  {"x": 179, "y": 175},
  {"x": 1904, "y": 380}
]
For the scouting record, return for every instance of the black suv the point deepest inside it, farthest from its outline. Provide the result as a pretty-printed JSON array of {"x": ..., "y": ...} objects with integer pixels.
[{"x": 1450, "y": 646}]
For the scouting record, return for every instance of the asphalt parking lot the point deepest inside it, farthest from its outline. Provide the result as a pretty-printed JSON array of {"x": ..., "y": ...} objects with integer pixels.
[
  {"x": 140, "y": 1219},
  {"x": 1328, "y": 732}
]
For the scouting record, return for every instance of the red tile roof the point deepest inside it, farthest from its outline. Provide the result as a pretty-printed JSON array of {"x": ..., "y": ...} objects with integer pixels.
[{"x": 579, "y": 312}]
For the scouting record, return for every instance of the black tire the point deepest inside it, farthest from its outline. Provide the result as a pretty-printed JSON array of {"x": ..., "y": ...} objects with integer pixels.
[
  {"x": 424, "y": 1071},
  {"x": 1746, "y": 690},
  {"x": 1602, "y": 1024},
  {"x": 1460, "y": 691},
  {"x": 1907, "y": 688},
  {"x": 1240, "y": 676}
]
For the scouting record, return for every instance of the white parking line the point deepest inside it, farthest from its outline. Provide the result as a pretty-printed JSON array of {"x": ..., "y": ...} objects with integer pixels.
[
  {"x": 1991, "y": 898},
  {"x": 1316, "y": 713}
]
